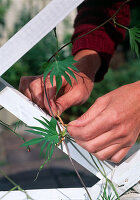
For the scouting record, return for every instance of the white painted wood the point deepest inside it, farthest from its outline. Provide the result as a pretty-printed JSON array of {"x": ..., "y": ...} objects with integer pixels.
[
  {"x": 123, "y": 176},
  {"x": 34, "y": 31},
  {"x": 50, "y": 194},
  {"x": 131, "y": 197},
  {"x": 137, "y": 187}
]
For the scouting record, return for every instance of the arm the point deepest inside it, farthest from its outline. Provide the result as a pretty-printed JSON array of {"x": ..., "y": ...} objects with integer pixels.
[{"x": 104, "y": 40}]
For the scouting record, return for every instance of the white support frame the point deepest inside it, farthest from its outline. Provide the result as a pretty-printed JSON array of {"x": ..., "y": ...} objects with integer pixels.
[{"x": 123, "y": 176}]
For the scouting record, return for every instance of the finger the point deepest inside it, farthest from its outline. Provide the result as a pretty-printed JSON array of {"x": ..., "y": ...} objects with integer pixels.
[
  {"x": 103, "y": 141},
  {"x": 24, "y": 85},
  {"x": 71, "y": 98},
  {"x": 107, "y": 139},
  {"x": 98, "y": 107},
  {"x": 27, "y": 93},
  {"x": 37, "y": 92},
  {"x": 117, "y": 157},
  {"x": 108, "y": 152},
  {"x": 101, "y": 124}
]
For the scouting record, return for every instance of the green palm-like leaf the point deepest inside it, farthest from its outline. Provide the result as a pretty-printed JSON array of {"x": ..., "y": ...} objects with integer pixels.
[
  {"x": 33, "y": 141},
  {"x": 49, "y": 137},
  {"x": 134, "y": 34},
  {"x": 58, "y": 69}
]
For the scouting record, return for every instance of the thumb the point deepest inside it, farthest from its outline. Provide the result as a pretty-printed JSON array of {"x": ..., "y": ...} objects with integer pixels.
[{"x": 71, "y": 98}]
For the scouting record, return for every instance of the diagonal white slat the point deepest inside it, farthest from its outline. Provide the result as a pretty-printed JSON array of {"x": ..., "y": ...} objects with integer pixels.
[
  {"x": 48, "y": 194},
  {"x": 34, "y": 31}
]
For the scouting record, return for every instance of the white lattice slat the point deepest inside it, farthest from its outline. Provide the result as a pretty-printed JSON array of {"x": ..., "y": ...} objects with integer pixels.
[{"x": 50, "y": 194}]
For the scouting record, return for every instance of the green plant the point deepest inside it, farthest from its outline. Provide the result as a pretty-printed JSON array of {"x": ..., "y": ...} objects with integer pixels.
[
  {"x": 50, "y": 137},
  {"x": 15, "y": 187},
  {"x": 134, "y": 35},
  {"x": 58, "y": 69}
]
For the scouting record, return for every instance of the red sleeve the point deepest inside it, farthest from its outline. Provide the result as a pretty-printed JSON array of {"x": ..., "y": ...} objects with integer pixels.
[{"x": 92, "y": 13}]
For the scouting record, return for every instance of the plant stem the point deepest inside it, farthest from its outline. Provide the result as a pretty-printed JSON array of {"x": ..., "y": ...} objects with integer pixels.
[
  {"x": 7, "y": 126},
  {"x": 1, "y": 108},
  {"x": 92, "y": 30},
  {"x": 96, "y": 165},
  {"x": 107, "y": 179},
  {"x": 51, "y": 108},
  {"x": 14, "y": 188},
  {"x": 14, "y": 184},
  {"x": 77, "y": 171},
  {"x": 120, "y": 25},
  {"x": 8, "y": 178},
  {"x": 104, "y": 173},
  {"x": 48, "y": 100},
  {"x": 70, "y": 138},
  {"x": 55, "y": 34}
]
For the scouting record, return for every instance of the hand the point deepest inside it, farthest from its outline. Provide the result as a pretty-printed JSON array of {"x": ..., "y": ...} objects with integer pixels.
[
  {"x": 68, "y": 96},
  {"x": 112, "y": 124}
]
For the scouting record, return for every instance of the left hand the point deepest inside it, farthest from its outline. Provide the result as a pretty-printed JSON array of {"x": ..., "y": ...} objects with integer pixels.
[{"x": 111, "y": 125}]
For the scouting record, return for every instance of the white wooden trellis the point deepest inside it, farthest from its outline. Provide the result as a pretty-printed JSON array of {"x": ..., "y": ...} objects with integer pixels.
[{"x": 124, "y": 175}]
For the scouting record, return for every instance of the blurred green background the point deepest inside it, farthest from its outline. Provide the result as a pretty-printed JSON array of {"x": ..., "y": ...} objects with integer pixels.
[{"x": 125, "y": 67}]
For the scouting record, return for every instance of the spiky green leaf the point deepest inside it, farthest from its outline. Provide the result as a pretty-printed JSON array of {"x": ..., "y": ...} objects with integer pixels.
[
  {"x": 33, "y": 141},
  {"x": 42, "y": 122},
  {"x": 51, "y": 151},
  {"x": 58, "y": 69},
  {"x": 49, "y": 133},
  {"x": 50, "y": 137},
  {"x": 134, "y": 34},
  {"x": 43, "y": 146},
  {"x": 36, "y": 132},
  {"x": 38, "y": 129},
  {"x": 53, "y": 124}
]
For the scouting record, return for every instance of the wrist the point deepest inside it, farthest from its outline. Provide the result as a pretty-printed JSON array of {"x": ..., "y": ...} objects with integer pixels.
[{"x": 89, "y": 62}]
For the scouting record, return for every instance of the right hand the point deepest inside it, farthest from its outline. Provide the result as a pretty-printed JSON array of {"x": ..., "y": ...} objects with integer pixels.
[{"x": 33, "y": 87}]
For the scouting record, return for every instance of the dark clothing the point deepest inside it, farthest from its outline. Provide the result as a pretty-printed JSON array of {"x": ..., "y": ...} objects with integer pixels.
[{"x": 92, "y": 13}]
